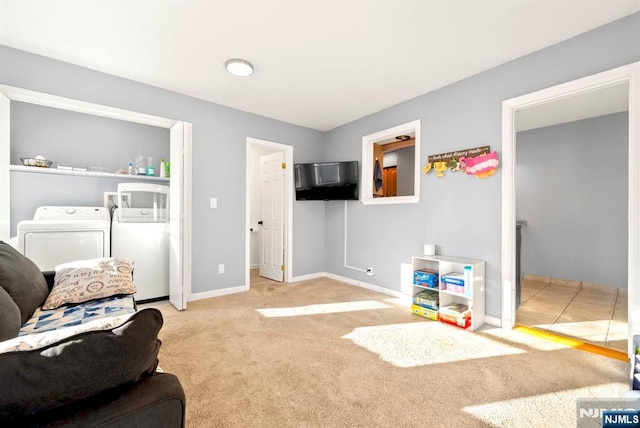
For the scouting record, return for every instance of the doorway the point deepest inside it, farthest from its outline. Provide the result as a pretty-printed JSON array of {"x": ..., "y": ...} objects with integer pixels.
[
  {"x": 571, "y": 210},
  {"x": 269, "y": 201},
  {"x": 180, "y": 206},
  {"x": 627, "y": 74}
]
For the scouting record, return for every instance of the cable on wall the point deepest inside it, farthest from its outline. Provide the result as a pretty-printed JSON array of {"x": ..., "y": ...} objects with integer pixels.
[{"x": 368, "y": 271}]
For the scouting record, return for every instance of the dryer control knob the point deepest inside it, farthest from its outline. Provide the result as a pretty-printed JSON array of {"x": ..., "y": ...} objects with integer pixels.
[{"x": 71, "y": 211}]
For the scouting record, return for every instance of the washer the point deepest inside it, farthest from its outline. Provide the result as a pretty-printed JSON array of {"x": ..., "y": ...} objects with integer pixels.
[
  {"x": 64, "y": 234},
  {"x": 140, "y": 232}
]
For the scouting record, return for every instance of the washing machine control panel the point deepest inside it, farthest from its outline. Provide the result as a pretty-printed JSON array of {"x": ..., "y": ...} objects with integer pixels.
[{"x": 77, "y": 213}]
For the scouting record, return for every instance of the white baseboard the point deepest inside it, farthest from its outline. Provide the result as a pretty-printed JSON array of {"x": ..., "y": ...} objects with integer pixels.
[
  {"x": 254, "y": 266},
  {"x": 308, "y": 276},
  {"x": 491, "y": 320},
  {"x": 361, "y": 284},
  {"x": 218, "y": 293}
]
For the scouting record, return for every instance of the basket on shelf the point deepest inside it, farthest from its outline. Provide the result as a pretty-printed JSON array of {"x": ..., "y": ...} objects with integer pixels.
[{"x": 43, "y": 163}]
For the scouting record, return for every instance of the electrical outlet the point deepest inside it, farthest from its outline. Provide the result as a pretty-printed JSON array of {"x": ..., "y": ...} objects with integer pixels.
[
  {"x": 213, "y": 203},
  {"x": 220, "y": 268}
]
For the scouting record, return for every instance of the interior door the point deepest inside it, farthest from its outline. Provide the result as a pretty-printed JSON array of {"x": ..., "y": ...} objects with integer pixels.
[
  {"x": 272, "y": 169},
  {"x": 176, "y": 200},
  {"x": 390, "y": 181}
]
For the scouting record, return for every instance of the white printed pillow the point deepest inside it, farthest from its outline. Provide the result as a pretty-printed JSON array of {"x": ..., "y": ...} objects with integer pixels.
[{"x": 85, "y": 280}]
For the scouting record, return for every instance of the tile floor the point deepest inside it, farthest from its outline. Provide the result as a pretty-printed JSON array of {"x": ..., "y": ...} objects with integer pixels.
[{"x": 592, "y": 313}]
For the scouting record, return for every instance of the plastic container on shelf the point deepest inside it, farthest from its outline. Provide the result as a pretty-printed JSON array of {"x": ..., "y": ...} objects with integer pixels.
[
  {"x": 468, "y": 280},
  {"x": 151, "y": 170},
  {"x": 140, "y": 164}
]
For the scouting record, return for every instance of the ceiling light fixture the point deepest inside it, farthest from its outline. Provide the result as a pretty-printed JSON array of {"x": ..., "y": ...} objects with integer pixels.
[{"x": 239, "y": 67}]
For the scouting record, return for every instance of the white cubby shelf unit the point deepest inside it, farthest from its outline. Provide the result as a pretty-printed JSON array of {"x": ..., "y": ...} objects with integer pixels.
[{"x": 473, "y": 296}]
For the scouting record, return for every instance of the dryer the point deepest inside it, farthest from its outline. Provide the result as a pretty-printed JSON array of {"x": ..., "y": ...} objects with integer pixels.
[{"x": 61, "y": 234}]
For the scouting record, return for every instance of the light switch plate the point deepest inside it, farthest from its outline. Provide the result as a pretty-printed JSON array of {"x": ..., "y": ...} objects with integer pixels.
[{"x": 213, "y": 203}]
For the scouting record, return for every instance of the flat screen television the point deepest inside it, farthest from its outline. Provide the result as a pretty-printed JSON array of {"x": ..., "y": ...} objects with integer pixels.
[{"x": 326, "y": 181}]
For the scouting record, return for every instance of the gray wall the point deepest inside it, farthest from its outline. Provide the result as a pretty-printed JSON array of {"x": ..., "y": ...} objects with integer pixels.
[
  {"x": 82, "y": 140},
  {"x": 461, "y": 214},
  {"x": 219, "y": 149},
  {"x": 571, "y": 187},
  {"x": 76, "y": 139}
]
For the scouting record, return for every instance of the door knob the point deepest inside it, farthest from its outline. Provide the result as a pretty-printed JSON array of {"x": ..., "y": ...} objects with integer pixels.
[{"x": 260, "y": 222}]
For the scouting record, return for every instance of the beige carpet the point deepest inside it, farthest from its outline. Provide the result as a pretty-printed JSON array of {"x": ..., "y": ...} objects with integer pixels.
[{"x": 321, "y": 353}]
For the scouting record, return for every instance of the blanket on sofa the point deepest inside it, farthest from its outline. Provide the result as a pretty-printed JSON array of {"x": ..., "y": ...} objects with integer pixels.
[{"x": 69, "y": 316}]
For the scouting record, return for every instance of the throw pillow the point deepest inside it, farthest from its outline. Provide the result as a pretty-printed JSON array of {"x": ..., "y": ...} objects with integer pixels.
[
  {"x": 22, "y": 280},
  {"x": 85, "y": 280},
  {"x": 79, "y": 367},
  {"x": 9, "y": 317}
]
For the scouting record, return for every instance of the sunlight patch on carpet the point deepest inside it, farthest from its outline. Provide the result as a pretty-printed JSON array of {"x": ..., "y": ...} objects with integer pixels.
[
  {"x": 325, "y": 308},
  {"x": 557, "y": 409},
  {"x": 425, "y": 343}
]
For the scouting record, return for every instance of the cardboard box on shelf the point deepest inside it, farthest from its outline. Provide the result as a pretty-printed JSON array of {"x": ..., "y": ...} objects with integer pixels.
[
  {"x": 455, "y": 278},
  {"x": 426, "y": 278},
  {"x": 457, "y": 314},
  {"x": 427, "y": 298},
  {"x": 455, "y": 288},
  {"x": 455, "y": 281},
  {"x": 425, "y": 312}
]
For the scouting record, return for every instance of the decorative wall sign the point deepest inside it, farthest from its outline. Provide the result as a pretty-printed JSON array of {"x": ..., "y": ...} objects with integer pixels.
[{"x": 478, "y": 161}]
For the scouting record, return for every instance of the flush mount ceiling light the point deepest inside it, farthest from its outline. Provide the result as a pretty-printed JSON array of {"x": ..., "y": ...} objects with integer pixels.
[{"x": 239, "y": 67}]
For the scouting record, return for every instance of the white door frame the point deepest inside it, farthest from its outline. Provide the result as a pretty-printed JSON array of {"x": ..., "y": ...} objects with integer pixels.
[
  {"x": 288, "y": 207},
  {"x": 629, "y": 73},
  {"x": 9, "y": 93}
]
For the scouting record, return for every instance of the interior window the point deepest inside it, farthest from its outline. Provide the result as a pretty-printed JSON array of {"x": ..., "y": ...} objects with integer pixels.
[{"x": 391, "y": 165}]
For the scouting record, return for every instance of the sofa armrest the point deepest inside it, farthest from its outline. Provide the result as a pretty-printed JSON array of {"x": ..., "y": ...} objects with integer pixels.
[
  {"x": 49, "y": 276},
  {"x": 156, "y": 401}
]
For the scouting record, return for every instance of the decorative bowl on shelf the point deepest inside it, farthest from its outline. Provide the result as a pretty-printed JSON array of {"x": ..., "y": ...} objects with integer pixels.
[{"x": 43, "y": 163}]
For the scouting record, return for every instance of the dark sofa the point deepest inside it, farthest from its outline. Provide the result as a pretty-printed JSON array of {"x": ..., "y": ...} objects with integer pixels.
[{"x": 105, "y": 378}]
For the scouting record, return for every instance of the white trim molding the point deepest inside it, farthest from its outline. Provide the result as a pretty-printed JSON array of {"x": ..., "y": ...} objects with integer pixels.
[
  {"x": 630, "y": 74},
  {"x": 48, "y": 100},
  {"x": 288, "y": 201},
  {"x": 218, "y": 293},
  {"x": 366, "y": 285},
  {"x": 491, "y": 320},
  {"x": 366, "y": 185},
  {"x": 63, "y": 103}
]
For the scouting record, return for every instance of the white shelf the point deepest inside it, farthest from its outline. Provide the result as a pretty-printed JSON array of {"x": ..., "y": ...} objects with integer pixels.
[
  {"x": 452, "y": 293},
  {"x": 447, "y": 264},
  {"x": 56, "y": 171}
]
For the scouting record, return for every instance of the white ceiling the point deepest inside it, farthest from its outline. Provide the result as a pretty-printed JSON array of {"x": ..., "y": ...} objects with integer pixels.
[{"x": 319, "y": 63}]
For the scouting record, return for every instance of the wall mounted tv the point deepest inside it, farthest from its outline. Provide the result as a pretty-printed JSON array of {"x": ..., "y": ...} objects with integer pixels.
[{"x": 326, "y": 181}]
